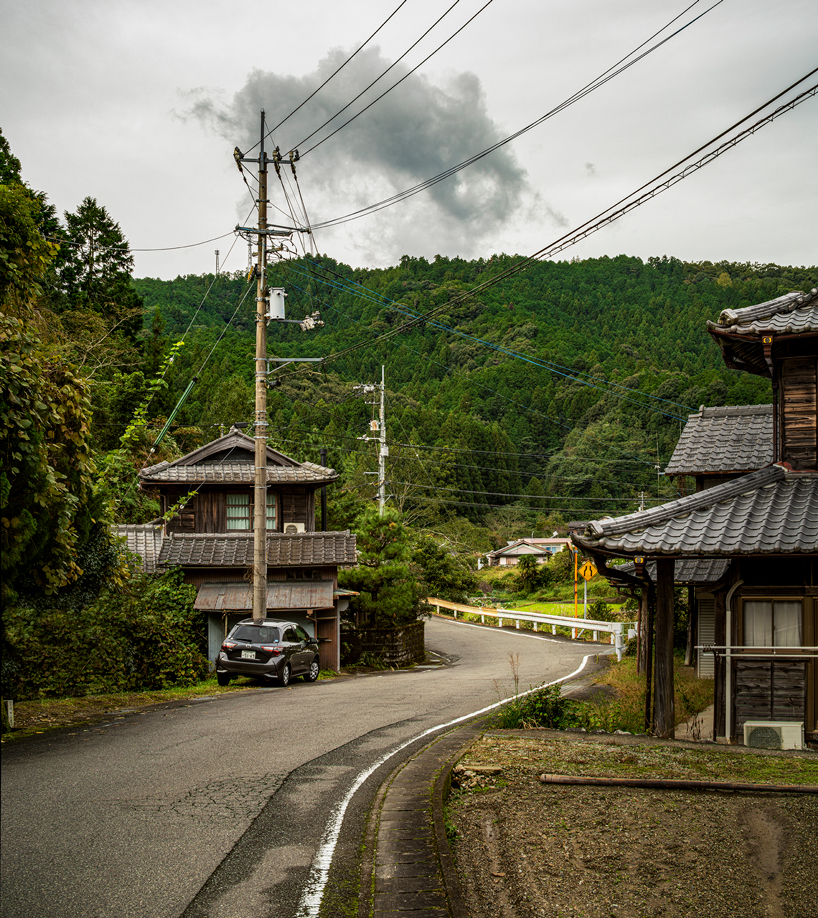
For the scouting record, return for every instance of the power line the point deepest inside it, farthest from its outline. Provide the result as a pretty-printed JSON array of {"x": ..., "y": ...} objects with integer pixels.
[
  {"x": 395, "y": 85},
  {"x": 380, "y": 76},
  {"x": 192, "y": 245},
  {"x": 468, "y": 378},
  {"x": 613, "y": 212},
  {"x": 596, "y": 83},
  {"x": 333, "y": 74},
  {"x": 544, "y": 364}
]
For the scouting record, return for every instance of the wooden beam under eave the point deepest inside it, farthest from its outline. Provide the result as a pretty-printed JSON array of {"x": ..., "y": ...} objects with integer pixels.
[{"x": 664, "y": 704}]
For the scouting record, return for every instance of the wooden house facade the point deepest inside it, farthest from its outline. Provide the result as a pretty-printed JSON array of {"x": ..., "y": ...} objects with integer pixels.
[
  {"x": 757, "y": 530},
  {"x": 210, "y": 537}
]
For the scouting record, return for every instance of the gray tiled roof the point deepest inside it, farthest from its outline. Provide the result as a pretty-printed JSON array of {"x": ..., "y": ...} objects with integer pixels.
[
  {"x": 236, "y": 550},
  {"x": 143, "y": 539},
  {"x": 773, "y": 511},
  {"x": 685, "y": 570},
  {"x": 236, "y": 473},
  {"x": 738, "y": 438},
  {"x": 790, "y": 314}
]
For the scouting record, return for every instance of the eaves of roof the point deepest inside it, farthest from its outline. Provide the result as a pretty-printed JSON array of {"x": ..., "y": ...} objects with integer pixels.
[
  {"x": 793, "y": 313},
  {"x": 773, "y": 511},
  {"x": 236, "y": 473},
  {"x": 236, "y": 550}
]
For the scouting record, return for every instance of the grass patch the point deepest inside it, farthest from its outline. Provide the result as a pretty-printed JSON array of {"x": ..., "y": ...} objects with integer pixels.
[
  {"x": 41, "y": 714},
  {"x": 622, "y": 708},
  {"x": 615, "y": 760}
]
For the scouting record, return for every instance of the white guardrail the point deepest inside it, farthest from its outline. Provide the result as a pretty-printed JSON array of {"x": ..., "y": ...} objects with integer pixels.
[{"x": 577, "y": 625}]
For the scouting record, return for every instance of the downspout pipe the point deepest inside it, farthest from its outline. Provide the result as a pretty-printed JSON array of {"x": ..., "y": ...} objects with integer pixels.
[{"x": 728, "y": 661}]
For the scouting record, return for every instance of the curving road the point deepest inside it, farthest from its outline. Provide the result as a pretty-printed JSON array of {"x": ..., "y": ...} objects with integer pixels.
[{"x": 216, "y": 808}]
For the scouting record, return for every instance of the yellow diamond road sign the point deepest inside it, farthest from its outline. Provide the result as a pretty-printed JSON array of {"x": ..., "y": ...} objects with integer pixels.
[{"x": 587, "y": 569}]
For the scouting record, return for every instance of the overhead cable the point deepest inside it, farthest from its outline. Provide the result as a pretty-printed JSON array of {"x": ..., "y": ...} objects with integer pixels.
[
  {"x": 595, "y": 84},
  {"x": 394, "y": 85},
  {"x": 332, "y": 75},
  {"x": 645, "y": 192}
]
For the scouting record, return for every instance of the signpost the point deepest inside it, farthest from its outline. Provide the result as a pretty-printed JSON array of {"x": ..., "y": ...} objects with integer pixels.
[{"x": 587, "y": 570}]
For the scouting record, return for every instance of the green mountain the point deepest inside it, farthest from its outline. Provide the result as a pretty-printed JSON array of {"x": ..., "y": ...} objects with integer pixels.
[{"x": 550, "y": 394}]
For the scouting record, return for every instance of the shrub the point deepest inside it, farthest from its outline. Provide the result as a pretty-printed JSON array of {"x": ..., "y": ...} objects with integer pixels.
[
  {"x": 145, "y": 635},
  {"x": 544, "y": 707}
]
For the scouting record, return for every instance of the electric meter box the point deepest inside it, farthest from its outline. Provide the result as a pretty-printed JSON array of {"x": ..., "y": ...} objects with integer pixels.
[{"x": 277, "y": 304}]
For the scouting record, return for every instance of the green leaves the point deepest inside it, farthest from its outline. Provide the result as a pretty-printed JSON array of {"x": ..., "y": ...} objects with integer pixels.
[
  {"x": 389, "y": 592},
  {"x": 46, "y": 496}
]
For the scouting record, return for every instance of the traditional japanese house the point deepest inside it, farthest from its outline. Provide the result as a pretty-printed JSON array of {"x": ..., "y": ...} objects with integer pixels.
[
  {"x": 719, "y": 444},
  {"x": 763, "y": 525},
  {"x": 541, "y": 549},
  {"x": 210, "y": 538}
]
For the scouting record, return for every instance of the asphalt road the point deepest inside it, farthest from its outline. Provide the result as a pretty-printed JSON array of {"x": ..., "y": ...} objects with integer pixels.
[{"x": 216, "y": 808}]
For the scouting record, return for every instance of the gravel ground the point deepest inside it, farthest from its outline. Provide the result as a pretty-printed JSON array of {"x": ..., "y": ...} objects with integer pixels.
[{"x": 524, "y": 848}]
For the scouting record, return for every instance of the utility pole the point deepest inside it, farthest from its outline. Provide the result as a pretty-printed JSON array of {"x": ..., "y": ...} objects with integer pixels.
[
  {"x": 383, "y": 449},
  {"x": 380, "y": 427},
  {"x": 217, "y": 261},
  {"x": 263, "y": 316},
  {"x": 260, "y": 433}
]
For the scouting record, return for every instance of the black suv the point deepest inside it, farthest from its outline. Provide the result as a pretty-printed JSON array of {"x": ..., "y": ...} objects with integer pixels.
[{"x": 268, "y": 650}]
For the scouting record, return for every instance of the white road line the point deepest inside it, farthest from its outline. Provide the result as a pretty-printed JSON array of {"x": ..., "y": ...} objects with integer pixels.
[{"x": 310, "y": 902}]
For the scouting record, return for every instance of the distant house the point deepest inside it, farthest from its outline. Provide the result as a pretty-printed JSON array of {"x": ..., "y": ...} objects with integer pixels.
[
  {"x": 541, "y": 549},
  {"x": 748, "y": 537},
  {"x": 211, "y": 539}
]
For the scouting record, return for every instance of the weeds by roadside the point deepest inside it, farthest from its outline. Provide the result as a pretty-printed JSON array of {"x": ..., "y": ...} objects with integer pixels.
[{"x": 623, "y": 709}]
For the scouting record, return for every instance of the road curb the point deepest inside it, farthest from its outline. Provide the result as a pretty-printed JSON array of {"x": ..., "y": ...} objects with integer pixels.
[{"x": 408, "y": 864}]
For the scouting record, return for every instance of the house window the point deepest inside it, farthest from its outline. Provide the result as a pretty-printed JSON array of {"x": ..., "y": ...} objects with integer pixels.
[
  {"x": 271, "y": 511},
  {"x": 772, "y": 623},
  {"x": 238, "y": 511}
]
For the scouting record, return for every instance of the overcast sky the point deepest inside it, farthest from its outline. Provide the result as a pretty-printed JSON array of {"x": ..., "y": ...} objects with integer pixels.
[{"x": 139, "y": 103}]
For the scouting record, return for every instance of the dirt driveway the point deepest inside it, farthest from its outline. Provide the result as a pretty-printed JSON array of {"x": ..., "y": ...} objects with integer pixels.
[{"x": 524, "y": 848}]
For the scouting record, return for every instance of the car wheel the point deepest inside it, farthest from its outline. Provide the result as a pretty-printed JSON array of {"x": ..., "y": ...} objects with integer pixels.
[
  {"x": 311, "y": 675},
  {"x": 223, "y": 678},
  {"x": 284, "y": 675}
]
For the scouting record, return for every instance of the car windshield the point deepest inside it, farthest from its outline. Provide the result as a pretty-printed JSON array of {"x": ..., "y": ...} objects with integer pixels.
[{"x": 256, "y": 634}]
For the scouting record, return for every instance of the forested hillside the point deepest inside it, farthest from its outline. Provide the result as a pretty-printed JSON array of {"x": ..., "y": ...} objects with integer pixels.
[{"x": 551, "y": 395}]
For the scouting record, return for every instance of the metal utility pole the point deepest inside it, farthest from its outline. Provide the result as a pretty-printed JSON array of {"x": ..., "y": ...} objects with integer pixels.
[
  {"x": 380, "y": 427},
  {"x": 383, "y": 449},
  {"x": 217, "y": 261}
]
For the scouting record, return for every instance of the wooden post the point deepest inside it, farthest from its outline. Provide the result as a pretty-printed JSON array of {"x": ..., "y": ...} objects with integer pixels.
[
  {"x": 720, "y": 639},
  {"x": 642, "y": 630},
  {"x": 648, "y": 654},
  {"x": 665, "y": 708},
  {"x": 690, "y": 650}
]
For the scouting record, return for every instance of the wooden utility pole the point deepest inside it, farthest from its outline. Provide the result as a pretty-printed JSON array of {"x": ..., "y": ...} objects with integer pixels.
[
  {"x": 260, "y": 489},
  {"x": 263, "y": 316}
]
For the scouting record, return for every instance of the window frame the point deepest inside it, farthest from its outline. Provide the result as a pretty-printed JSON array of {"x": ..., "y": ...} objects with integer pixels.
[
  {"x": 248, "y": 518},
  {"x": 772, "y": 599}
]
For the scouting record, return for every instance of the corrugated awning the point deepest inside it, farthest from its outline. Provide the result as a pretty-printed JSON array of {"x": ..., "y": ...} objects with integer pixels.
[{"x": 292, "y": 594}]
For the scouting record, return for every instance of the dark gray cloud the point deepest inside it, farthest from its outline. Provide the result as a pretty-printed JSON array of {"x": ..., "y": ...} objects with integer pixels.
[{"x": 415, "y": 132}]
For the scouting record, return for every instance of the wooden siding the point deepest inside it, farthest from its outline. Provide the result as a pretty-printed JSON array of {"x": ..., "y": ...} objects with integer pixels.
[
  {"x": 799, "y": 412},
  {"x": 211, "y": 511},
  {"x": 769, "y": 690},
  {"x": 295, "y": 507}
]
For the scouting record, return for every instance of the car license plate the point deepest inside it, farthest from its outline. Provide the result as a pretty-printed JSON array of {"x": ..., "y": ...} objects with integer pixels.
[{"x": 248, "y": 654}]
